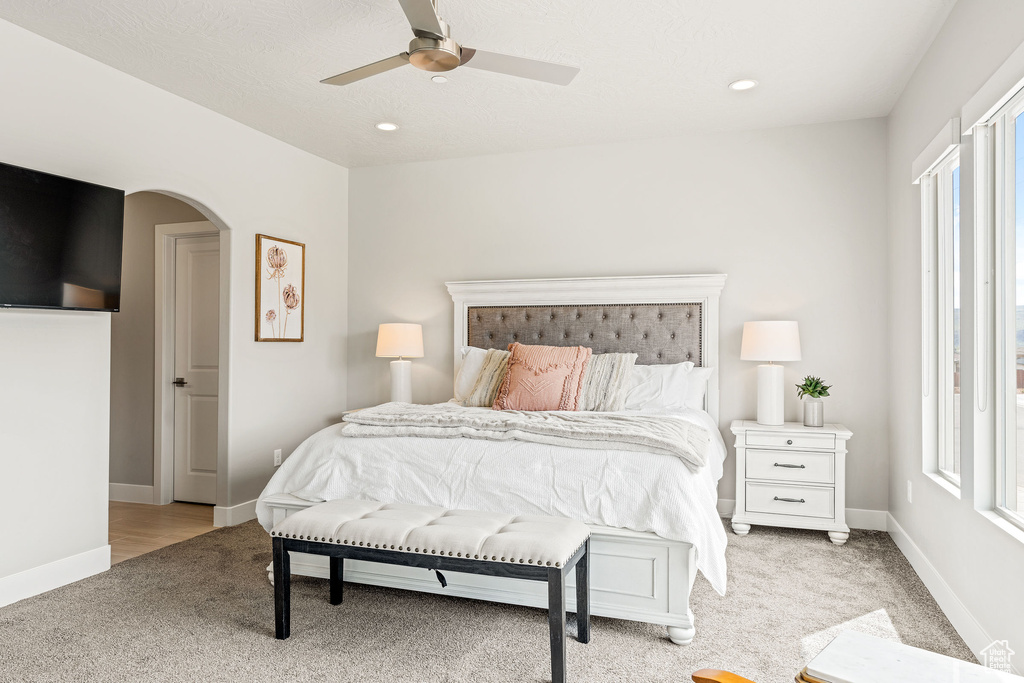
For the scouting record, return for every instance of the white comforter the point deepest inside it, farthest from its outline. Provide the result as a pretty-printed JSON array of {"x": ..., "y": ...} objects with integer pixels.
[{"x": 627, "y": 489}]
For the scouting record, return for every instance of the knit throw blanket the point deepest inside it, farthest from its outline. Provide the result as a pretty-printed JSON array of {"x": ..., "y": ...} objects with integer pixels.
[{"x": 665, "y": 434}]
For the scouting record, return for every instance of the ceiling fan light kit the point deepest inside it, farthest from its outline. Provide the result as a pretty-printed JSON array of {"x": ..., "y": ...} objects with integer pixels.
[
  {"x": 433, "y": 49},
  {"x": 433, "y": 54}
]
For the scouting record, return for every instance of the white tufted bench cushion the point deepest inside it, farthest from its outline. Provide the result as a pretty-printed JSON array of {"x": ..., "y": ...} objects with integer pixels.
[{"x": 536, "y": 540}]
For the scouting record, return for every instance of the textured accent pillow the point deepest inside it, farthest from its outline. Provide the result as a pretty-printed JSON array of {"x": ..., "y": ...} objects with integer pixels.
[
  {"x": 543, "y": 378},
  {"x": 469, "y": 371},
  {"x": 667, "y": 387},
  {"x": 606, "y": 381},
  {"x": 488, "y": 379}
]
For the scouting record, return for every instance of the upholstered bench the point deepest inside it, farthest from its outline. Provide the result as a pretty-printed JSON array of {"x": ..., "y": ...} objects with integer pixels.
[{"x": 534, "y": 547}]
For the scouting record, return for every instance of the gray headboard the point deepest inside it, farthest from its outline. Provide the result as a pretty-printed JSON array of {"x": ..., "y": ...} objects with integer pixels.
[
  {"x": 657, "y": 333},
  {"x": 662, "y": 318}
]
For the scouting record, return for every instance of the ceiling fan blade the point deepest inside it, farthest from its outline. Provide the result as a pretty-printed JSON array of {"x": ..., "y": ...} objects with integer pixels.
[
  {"x": 368, "y": 70},
  {"x": 550, "y": 72},
  {"x": 423, "y": 18}
]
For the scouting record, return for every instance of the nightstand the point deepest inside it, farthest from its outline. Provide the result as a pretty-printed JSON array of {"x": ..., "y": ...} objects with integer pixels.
[{"x": 791, "y": 476}]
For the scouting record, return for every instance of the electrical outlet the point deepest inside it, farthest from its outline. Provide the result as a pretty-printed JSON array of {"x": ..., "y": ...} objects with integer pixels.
[
  {"x": 910, "y": 491},
  {"x": 277, "y": 457}
]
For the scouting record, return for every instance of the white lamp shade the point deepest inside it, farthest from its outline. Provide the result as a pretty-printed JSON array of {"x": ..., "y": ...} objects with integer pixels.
[
  {"x": 400, "y": 340},
  {"x": 771, "y": 340}
]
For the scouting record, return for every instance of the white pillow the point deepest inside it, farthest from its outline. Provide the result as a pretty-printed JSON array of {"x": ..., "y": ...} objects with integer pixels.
[
  {"x": 667, "y": 387},
  {"x": 472, "y": 362}
]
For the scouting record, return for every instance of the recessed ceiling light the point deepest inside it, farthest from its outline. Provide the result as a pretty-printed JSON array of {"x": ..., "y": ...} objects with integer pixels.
[
  {"x": 743, "y": 84},
  {"x": 439, "y": 79},
  {"x": 384, "y": 125}
]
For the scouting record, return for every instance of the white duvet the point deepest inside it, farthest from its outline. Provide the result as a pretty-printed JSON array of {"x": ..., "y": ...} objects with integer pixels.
[{"x": 627, "y": 489}]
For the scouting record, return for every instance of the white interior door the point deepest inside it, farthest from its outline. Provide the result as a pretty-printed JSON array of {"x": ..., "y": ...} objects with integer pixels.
[{"x": 196, "y": 354}]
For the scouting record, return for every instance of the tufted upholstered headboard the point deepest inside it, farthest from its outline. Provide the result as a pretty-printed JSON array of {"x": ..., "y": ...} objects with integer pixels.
[
  {"x": 664, "y": 319},
  {"x": 657, "y": 333}
]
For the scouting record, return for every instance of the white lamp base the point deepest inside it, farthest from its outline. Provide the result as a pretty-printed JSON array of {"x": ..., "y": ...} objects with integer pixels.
[
  {"x": 401, "y": 381},
  {"x": 771, "y": 397}
]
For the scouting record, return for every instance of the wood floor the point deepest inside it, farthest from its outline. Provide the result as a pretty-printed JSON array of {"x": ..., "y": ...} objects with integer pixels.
[{"x": 137, "y": 528}]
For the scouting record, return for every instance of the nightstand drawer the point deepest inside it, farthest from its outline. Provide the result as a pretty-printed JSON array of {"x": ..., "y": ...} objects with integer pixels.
[
  {"x": 791, "y": 440},
  {"x": 791, "y": 466},
  {"x": 798, "y": 501}
]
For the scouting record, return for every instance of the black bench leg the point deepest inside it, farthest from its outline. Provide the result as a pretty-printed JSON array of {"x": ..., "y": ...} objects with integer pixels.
[
  {"x": 583, "y": 596},
  {"x": 337, "y": 579},
  {"x": 556, "y": 623},
  {"x": 282, "y": 589}
]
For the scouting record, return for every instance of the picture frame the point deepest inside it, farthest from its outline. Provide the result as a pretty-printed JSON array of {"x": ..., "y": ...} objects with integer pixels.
[{"x": 280, "y": 290}]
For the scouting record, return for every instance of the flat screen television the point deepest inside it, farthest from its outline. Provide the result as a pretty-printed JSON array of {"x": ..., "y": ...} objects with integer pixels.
[{"x": 60, "y": 242}]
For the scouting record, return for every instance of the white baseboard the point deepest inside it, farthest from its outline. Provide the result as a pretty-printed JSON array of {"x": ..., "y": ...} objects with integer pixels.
[
  {"x": 236, "y": 514},
  {"x": 969, "y": 628},
  {"x": 53, "y": 575},
  {"x": 872, "y": 520},
  {"x": 131, "y": 493}
]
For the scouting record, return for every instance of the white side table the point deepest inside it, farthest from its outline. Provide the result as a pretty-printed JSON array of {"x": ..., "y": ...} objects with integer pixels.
[{"x": 791, "y": 476}]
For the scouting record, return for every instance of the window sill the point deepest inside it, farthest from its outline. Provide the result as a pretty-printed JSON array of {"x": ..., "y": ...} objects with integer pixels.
[
  {"x": 1004, "y": 523},
  {"x": 945, "y": 484}
]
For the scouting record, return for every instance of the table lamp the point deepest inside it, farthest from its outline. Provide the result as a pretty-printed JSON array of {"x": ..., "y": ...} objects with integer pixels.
[
  {"x": 772, "y": 341},
  {"x": 401, "y": 341}
]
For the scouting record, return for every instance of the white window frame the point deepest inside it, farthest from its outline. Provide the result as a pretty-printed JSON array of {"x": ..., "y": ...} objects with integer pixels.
[
  {"x": 1000, "y": 191},
  {"x": 937, "y": 320}
]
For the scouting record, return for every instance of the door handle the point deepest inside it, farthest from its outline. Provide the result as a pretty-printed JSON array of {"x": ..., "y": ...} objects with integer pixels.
[{"x": 179, "y": 382}]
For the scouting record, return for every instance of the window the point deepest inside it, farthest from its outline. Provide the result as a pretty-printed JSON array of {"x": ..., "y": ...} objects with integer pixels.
[
  {"x": 1008, "y": 153},
  {"x": 940, "y": 192},
  {"x": 949, "y": 458}
]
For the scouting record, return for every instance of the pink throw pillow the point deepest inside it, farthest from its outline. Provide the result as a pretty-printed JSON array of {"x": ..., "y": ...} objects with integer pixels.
[{"x": 543, "y": 378}]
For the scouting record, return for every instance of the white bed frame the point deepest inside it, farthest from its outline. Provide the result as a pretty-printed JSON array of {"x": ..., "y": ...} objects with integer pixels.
[{"x": 634, "y": 575}]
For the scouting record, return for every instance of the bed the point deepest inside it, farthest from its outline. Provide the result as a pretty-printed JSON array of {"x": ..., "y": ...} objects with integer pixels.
[{"x": 654, "y": 522}]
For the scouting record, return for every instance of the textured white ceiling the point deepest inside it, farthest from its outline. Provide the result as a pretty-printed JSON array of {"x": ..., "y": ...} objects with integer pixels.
[{"x": 651, "y": 68}]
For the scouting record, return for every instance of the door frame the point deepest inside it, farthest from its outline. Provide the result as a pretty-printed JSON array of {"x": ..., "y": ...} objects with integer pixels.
[{"x": 163, "y": 391}]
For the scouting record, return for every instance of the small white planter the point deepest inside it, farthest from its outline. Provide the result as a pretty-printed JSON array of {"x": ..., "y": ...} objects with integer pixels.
[{"x": 814, "y": 412}]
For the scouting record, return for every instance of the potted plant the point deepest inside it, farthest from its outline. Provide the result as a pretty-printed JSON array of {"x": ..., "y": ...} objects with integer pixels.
[{"x": 812, "y": 390}]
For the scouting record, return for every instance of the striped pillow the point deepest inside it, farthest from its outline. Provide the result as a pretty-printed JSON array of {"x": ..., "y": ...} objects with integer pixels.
[
  {"x": 606, "y": 381},
  {"x": 488, "y": 379}
]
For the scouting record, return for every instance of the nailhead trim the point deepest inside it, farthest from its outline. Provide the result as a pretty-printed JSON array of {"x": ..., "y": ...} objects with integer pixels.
[{"x": 433, "y": 551}]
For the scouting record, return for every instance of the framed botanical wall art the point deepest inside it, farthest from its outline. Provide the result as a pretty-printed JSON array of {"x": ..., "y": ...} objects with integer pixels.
[{"x": 280, "y": 289}]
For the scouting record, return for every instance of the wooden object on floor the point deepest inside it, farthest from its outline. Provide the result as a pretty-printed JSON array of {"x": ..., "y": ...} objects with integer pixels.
[
  {"x": 854, "y": 657},
  {"x": 791, "y": 476},
  {"x": 716, "y": 676},
  {"x": 138, "y": 528}
]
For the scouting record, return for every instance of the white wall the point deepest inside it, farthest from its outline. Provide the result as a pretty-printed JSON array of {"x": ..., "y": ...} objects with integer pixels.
[
  {"x": 131, "y": 337},
  {"x": 794, "y": 216},
  {"x": 976, "y": 566},
  {"x": 66, "y": 114},
  {"x": 53, "y": 450}
]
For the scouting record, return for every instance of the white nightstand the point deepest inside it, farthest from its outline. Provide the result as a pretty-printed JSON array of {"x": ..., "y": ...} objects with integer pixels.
[{"x": 791, "y": 476}]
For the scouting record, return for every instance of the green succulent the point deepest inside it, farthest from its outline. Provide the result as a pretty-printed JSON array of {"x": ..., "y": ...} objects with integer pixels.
[{"x": 813, "y": 387}]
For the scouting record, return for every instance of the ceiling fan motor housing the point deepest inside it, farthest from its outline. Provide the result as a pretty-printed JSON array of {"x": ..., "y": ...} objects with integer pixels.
[{"x": 434, "y": 54}]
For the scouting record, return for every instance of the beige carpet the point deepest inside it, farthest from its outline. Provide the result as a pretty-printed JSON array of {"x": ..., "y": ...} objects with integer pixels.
[{"x": 202, "y": 610}]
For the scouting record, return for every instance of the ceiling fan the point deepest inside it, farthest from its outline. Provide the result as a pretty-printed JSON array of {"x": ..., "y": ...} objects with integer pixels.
[{"x": 434, "y": 50}]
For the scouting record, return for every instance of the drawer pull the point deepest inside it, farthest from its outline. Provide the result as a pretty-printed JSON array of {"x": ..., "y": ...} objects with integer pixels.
[
  {"x": 786, "y": 464},
  {"x": 790, "y": 500},
  {"x": 789, "y": 442}
]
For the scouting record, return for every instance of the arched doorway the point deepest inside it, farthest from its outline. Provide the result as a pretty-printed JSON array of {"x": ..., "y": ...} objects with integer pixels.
[{"x": 145, "y": 412}]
